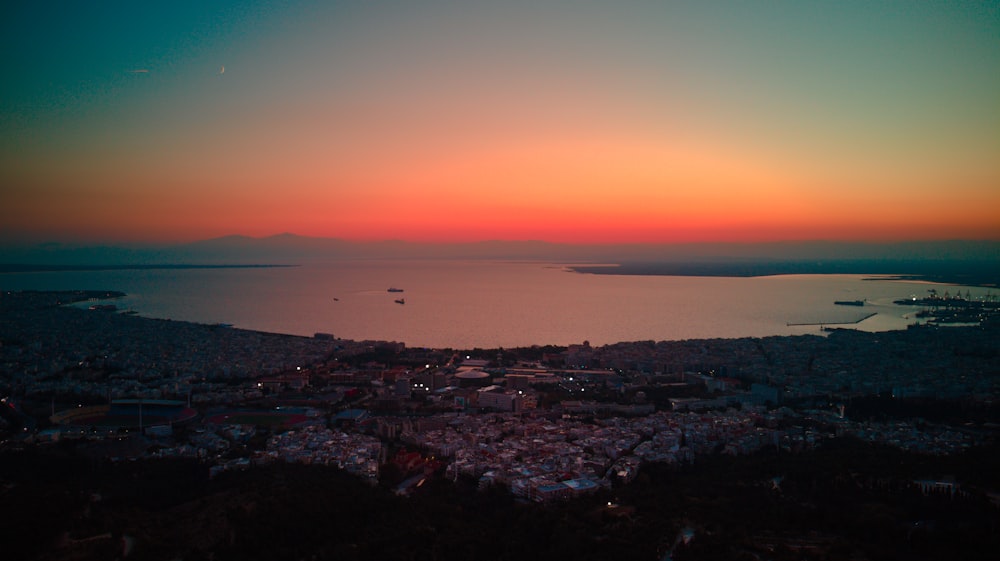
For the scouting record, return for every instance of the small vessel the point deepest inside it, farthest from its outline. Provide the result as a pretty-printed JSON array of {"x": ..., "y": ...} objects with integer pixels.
[
  {"x": 400, "y": 301},
  {"x": 394, "y": 289},
  {"x": 849, "y": 302}
]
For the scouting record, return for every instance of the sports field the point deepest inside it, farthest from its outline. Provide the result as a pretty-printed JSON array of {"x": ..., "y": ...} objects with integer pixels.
[{"x": 128, "y": 415}]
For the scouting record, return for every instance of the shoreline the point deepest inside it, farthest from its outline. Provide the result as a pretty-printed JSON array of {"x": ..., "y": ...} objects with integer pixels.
[
  {"x": 71, "y": 299},
  {"x": 981, "y": 274},
  {"x": 976, "y": 274},
  {"x": 351, "y": 317},
  {"x": 27, "y": 268}
]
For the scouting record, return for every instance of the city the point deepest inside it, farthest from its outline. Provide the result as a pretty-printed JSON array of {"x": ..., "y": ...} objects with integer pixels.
[{"x": 543, "y": 424}]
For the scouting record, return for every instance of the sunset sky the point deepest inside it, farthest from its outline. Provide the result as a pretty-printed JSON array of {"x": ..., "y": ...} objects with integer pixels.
[{"x": 564, "y": 120}]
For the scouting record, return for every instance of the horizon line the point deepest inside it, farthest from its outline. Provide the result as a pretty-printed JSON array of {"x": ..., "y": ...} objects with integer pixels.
[{"x": 178, "y": 242}]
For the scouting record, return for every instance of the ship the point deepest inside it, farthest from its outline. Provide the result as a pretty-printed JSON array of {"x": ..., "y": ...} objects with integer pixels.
[
  {"x": 849, "y": 302},
  {"x": 400, "y": 301},
  {"x": 394, "y": 289}
]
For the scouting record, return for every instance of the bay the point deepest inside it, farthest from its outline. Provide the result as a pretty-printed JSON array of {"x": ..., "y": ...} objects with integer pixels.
[{"x": 468, "y": 304}]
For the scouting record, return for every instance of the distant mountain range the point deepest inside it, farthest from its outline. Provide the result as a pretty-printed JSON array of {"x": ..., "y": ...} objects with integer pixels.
[{"x": 981, "y": 258}]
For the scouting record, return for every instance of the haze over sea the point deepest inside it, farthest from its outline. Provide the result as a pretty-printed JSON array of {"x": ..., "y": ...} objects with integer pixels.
[{"x": 476, "y": 303}]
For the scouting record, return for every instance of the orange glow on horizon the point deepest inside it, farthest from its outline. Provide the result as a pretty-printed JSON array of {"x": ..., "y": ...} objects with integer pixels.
[
  {"x": 644, "y": 122},
  {"x": 610, "y": 186}
]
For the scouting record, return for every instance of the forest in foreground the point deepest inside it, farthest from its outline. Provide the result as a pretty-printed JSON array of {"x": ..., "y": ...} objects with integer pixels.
[{"x": 847, "y": 500}]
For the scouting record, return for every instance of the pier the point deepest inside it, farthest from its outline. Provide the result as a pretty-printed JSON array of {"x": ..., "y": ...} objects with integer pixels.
[{"x": 821, "y": 323}]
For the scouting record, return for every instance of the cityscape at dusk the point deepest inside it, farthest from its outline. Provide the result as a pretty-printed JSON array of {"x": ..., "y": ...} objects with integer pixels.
[
  {"x": 580, "y": 122},
  {"x": 460, "y": 280}
]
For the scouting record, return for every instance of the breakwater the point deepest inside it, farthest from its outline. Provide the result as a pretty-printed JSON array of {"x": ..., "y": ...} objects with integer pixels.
[{"x": 857, "y": 321}]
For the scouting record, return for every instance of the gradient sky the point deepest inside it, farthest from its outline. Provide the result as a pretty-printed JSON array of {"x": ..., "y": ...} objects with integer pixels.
[{"x": 565, "y": 120}]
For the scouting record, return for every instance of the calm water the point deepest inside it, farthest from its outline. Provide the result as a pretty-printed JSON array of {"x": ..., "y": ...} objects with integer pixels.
[{"x": 488, "y": 304}]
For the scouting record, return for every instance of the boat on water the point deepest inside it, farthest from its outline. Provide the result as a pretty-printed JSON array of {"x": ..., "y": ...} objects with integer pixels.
[
  {"x": 400, "y": 301},
  {"x": 394, "y": 289},
  {"x": 849, "y": 302}
]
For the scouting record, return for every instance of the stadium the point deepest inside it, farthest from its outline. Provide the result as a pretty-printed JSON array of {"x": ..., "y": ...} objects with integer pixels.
[{"x": 127, "y": 414}]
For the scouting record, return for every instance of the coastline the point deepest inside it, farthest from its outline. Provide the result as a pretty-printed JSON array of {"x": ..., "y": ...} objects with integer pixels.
[
  {"x": 985, "y": 274},
  {"x": 980, "y": 273},
  {"x": 29, "y": 268},
  {"x": 528, "y": 304}
]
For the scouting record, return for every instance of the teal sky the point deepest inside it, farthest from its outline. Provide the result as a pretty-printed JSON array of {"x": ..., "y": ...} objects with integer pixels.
[{"x": 646, "y": 121}]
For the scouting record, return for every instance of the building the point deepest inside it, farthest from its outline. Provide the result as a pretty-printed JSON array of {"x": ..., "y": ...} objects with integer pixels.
[
  {"x": 473, "y": 379},
  {"x": 492, "y": 398},
  {"x": 519, "y": 381}
]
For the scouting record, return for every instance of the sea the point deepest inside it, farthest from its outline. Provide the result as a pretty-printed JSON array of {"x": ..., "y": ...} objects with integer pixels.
[{"x": 489, "y": 304}]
